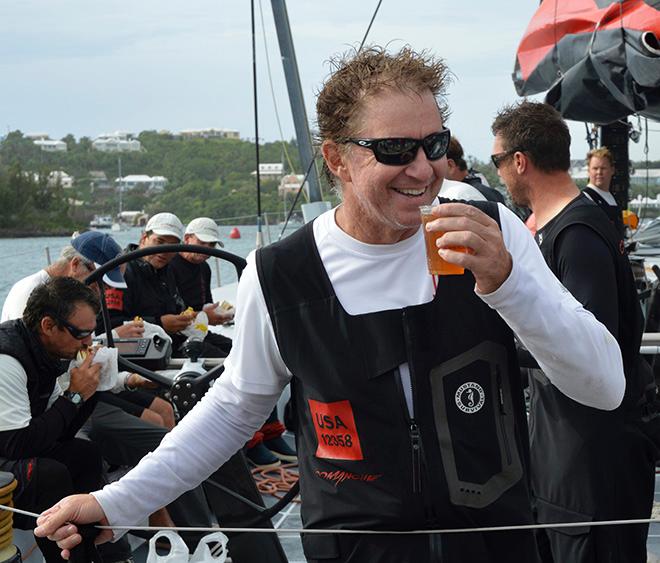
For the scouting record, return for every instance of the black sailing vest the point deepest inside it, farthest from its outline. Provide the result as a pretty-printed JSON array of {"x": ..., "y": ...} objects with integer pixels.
[
  {"x": 364, "y": 462},
  {"x": 613, "y": 212},
  {"x": 576, "y": 449},
  {"x": 42, "y": 371}
]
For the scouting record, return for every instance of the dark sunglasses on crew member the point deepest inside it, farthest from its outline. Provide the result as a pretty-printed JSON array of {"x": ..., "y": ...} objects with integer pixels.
[
  {"x": 399, "y": 151},
  {"x": 77, "y": 333},
  {"x": 497, "y": 158}
]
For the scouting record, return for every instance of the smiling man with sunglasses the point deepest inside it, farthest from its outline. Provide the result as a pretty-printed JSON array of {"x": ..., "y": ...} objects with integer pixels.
[{"x": 405, "y": 387}]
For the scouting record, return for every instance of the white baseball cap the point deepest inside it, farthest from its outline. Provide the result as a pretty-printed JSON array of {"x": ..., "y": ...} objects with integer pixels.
[
  {"x": 204, "y": 229},
  {"x": 165, "y": 224}
]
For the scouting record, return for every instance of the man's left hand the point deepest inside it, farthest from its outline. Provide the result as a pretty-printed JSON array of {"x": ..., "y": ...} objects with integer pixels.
[
  {"x": 465, "y": 225},
  {"x": 132, "y": 329},
  {"x": 217, "y": 317}
]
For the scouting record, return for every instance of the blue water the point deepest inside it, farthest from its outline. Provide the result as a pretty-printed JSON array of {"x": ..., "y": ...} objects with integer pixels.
[{"x": 21, "y": 257}]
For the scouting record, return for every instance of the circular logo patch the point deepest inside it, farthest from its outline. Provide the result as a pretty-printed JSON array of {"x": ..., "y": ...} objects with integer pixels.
[{"x": 470, "y": 397}]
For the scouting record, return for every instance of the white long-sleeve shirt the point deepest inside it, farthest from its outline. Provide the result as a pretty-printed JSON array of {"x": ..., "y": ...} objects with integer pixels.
[{"x": 577, "y": 353}]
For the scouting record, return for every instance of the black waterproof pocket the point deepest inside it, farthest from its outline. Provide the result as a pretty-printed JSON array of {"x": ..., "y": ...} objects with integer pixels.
[{"x": 475, "y": 425}]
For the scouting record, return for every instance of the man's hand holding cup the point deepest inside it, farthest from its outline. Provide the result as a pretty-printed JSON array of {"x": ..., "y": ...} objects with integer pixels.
[{"x": 465, "y": 237}]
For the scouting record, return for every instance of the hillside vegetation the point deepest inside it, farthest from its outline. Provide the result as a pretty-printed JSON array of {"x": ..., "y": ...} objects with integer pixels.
[
  {"x": 207, "y": 177},
  {"x": 210, "y": 177}
]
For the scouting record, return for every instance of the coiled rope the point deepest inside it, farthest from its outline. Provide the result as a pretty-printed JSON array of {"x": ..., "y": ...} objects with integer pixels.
[
  {"x": 277, "y": 481},
  {"x": 6, "y": 520}
]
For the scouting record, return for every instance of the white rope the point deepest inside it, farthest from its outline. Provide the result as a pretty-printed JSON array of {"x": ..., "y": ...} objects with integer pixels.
[
  {"x": 370, "y": 532},
  {"x": 19, "y": 511},
  {"x": 401, "y": 532}
]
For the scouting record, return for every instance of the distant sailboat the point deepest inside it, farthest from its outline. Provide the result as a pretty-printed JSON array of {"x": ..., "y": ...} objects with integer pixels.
[{"x": 101, "y": 222}]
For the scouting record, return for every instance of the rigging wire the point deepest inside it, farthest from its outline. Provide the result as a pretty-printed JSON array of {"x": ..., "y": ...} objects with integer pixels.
[
  {"x": 373, "y": 17},
  {"x": 256, "y": 125},
  {"x": 272, "y": 92},
  {"x": 646, "y": 162}
]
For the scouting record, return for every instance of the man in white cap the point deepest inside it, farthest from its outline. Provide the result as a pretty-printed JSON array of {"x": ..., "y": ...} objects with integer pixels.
[
  {"x": 151, "y": 294},
  {"x": 192, "y": 274}
]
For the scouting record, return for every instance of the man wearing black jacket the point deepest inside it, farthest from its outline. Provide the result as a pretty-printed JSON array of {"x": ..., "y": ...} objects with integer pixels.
[
  {"x": 192, "y": 277},
  {"x": 39, "y": 420},
  {"x": 588, "y": 463},
  {"x": 150, "y": 293}
]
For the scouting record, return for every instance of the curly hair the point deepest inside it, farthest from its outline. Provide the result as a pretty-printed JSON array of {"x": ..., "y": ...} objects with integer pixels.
[
  {"x": 58, "y": 299},
  {"x": 602, "y": 152},
  {"x": 538, "y": 130},
  {"x": 357, "y": 75}
]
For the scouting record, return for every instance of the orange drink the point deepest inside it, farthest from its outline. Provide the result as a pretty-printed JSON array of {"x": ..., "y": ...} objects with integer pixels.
[{"x": 437, "y": 265}]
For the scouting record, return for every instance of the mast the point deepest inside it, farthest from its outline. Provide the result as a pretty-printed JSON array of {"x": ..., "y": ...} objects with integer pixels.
[
  {"x": 121, "y": 189},
  {"x": 296, "y": 97}
]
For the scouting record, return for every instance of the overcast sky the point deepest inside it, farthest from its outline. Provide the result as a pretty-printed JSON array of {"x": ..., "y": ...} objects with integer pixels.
[{"x": 81, "y": 67}]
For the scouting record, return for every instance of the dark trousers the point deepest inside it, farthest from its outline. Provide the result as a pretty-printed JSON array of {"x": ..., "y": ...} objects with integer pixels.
[
  {"x": 124, "y": 440},
  {"x": 494, "y": 547},
  {"x": 67, "y": 468},
  {"x": 633, "y": 456}
]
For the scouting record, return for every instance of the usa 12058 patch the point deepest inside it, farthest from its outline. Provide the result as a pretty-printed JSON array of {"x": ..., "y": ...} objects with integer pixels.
[{"x": 335, "y": 430}]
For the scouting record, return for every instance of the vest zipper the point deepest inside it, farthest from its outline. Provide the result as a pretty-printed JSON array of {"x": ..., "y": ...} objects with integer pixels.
[
  {"x": 417, "y": 450},
  {"x": 413, "y": 429},
  {"x": 416, "y": 445},
  {"x": 413, "y": 433},
  {"x": 505, "y": 438}
]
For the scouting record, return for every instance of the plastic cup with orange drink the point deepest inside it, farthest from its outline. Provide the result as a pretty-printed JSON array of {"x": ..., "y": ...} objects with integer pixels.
[{"x": 437, "y": 265}]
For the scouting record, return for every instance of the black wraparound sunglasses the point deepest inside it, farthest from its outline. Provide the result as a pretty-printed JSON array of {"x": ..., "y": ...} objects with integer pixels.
[
  {"x": 399, "y": 151},
  {"x": 497, "y": 158},
  {"x": 77, "y": 333}
]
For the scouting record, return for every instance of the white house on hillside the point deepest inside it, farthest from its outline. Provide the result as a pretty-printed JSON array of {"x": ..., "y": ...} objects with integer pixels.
[
  {"x": 290, "y": 184},
  {"x": 210, "y": 133},
  {"x": 47, "y": 145},
  {"x": 270, "y": 170},
  {"x": 119, "y": 141},
  {"x": 151, "y": 183},
  {"x": 60, "y": 177},
  {"x": 52, "y": 180}
]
